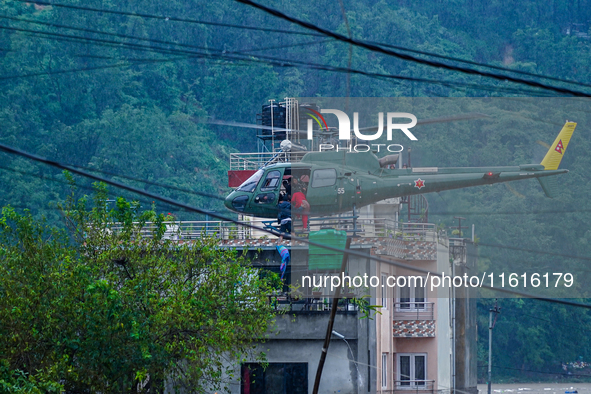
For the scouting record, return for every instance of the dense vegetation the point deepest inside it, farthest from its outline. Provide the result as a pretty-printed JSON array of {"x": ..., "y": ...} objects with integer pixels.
[
  {"x": 133, "y": 102},
  {"x": 95, "y": 309}
]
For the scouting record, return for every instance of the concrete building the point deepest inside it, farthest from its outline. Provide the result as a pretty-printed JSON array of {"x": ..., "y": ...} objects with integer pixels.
[{"x": 409, "y": 346}]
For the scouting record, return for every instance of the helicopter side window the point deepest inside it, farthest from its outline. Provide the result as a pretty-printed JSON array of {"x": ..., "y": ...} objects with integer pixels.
[
  {"x": 326, "y": 177},
  {"x": 271, "y": 181},
  {"x": 251, "y": 183}
]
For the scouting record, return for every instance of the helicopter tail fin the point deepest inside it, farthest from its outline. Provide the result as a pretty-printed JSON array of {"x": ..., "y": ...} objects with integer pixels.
[{"x": 556, "y": 152}]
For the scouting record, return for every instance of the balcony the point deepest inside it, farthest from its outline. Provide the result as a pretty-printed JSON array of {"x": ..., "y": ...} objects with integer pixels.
[
  {"x": 411, "y": 386},
  {"x": 413, "y": 320},
  {"x": 286, "y": 303}
]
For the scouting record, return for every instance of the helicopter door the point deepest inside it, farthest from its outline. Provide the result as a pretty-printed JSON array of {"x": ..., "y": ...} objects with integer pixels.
[
  {"x": 268, "y": 191},
  {"x": 346, "y": 191},
  {"x": 323, "y": 189}
]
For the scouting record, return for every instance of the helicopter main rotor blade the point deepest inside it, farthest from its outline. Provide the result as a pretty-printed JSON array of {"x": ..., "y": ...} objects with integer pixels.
[
  {"x": 245, "y": 125},
  {"x": 443, "y": 119}
]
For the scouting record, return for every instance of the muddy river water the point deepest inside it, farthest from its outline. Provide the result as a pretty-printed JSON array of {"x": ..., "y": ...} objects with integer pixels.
[{"x": 536, "y": 388}]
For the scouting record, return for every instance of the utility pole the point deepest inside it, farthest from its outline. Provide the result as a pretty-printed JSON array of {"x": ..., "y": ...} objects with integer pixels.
[
  {"x": 491, "y": 324},
  {"x": 460, "y": 225},
  {"x": 333, "y": 311},
  {"x": 272, "y": 131}
]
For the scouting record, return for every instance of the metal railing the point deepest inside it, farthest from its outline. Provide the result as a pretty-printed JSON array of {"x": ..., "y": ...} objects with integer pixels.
[
  {"x": 189, "y": 230},
  {"x": 254, "y": 161},
  {"x": 404, "y": 386},
  {"x": 413, "y": 310},
  {"x": 377, "y": 227},
  {"x": 286, "y": 303}
]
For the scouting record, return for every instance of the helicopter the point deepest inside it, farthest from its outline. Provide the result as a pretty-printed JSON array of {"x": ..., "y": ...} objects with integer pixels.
[{"x": 342, "y": 181}]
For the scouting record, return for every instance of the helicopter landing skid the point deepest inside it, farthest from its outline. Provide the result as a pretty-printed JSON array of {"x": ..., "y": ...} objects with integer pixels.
[{"x": 268, "y": 225}]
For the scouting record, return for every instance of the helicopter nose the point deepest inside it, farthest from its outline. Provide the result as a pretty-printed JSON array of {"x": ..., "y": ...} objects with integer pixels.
[
  {"x": 228, "y": 201},
  {"x": 236, "y": 202}
]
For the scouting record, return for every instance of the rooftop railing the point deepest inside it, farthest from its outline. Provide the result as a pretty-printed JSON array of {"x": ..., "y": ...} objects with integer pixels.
[
  {"x": 287, "y": 303},
  {"x": 378, "y": 227},
  {"x": 254, "y": 161}
]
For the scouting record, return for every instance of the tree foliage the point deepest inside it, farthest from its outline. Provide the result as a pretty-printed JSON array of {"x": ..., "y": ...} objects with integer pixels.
[
  {"x": 102, "y": 307},
  {"x": 135, "y": 110}
]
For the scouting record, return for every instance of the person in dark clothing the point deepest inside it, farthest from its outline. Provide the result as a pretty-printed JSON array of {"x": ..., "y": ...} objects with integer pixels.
[
  {"x": 284, "y": 216},
  {"x": 287, "y": 186}
]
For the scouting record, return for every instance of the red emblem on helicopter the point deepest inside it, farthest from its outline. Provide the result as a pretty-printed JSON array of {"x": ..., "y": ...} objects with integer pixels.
[{"x": 419, "y": 183}]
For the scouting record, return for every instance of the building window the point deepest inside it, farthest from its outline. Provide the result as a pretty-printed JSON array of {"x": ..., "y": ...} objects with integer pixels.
[
  {"x": 412, "y": 371},
  {"x": 412, "y": 296},
  {"x": 384, "y": 370},
  {"x": 277, "y": 378}
]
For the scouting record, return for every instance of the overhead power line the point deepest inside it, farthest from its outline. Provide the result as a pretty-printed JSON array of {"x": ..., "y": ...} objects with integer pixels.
[
  {"x": 431, "y": 63},
  {"x": 231, "y": 56},
  {"x": 151, "y": 40},
  {"x": 45, "y": 178},
  {"x": 535, "y": 251},
  {"x": 472, "y": 63},
  {"x": 171, "y": 18},
  {"x": 168, "y": 50},
  {"x": 262, "y": 29},
  {"x": 180, "y": 189},
  {"x": 170, "y": 201}
]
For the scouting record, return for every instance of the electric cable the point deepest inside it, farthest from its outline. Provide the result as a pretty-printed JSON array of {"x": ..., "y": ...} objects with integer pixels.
[
  {"x": 188, "y": 191},
  {"x": 484, "y": 65},
  {"x": 266, "y": 60},
  {"x": 151, "y": 40},
  {"x": 424, "y": 53},
  {"x": 171, "y": 18},
  {"x": 402, "y": 56},
  {"x": 66, "y": 183},
  {"x": 352, "y": 252}
]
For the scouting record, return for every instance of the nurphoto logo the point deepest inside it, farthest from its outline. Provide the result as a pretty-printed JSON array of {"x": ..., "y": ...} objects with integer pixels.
[{"x": 345, "y": 129}]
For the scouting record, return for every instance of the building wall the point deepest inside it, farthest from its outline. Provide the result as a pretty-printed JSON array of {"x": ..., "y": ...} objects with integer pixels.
[
  {"x": 300, "y": 337},
  {"x": 444, "y": 316},
  {"x": 438, "y": 348}
]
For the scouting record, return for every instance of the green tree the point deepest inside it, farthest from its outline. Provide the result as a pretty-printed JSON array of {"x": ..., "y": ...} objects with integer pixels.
[{"x": 110, "y": 305}]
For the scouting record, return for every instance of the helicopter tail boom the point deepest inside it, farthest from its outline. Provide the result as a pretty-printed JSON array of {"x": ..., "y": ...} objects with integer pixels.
[{"x": 554, "y": 155}]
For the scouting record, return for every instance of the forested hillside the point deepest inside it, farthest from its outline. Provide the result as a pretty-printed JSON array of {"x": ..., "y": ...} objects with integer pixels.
[{"x": 130, "y": 95}]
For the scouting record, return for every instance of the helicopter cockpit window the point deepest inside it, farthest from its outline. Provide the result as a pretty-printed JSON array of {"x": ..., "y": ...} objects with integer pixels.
[
  {"x": 239, "y": 203},
  {"x": 326, "y": 177},
  {"x": 251, "y": 183},
  {"x": 272, "y": 181}
]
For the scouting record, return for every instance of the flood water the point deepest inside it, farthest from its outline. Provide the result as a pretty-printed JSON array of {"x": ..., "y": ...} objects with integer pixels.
[{"x": 536, "y": 388}]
